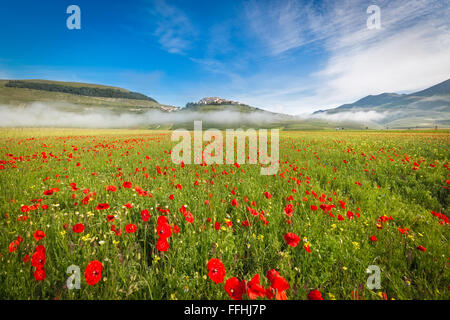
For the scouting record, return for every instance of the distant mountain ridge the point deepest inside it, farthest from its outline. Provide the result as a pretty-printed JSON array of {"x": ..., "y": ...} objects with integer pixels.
[{"x": 425, "y": 108}]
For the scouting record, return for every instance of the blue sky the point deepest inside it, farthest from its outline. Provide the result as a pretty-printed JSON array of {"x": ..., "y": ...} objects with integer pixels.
[{"x": 285, "y": 56}]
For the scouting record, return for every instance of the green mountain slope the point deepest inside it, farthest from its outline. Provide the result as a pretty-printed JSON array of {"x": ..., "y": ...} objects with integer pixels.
[
  {"x": 76, "y": 97},
  {"x": 426, "y": 108}
]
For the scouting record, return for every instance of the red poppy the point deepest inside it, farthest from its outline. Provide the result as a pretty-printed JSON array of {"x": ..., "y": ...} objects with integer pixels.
[
  {"x": 315, "y": 295},
  {"x": 313, "y": 207},
  {"x": 234, "y": 202},
  {"x": 145, "y": 215},
  {"x": 164, "y": 231},
  {"x": 78, "y": 228},
  {"x": 421, "y": 248},
  {"x": 189, "y": 217},
  {"x": 280, "y": 284},
  {"x": 39, "y": 234},
  {"x": 40, "y": 248},
  {"x": 235, "y": 288},
  {"x": 289, "y": 209},
  {"x": 93, "y": 272},
  {"x": 130, "y": 228},
  {"x": 292, "y": 239},
  {"x": 162, "y": 244},
  {"x": 13, "y": 246},
  {"x": 39, "y": 274},
  {"x": 272, "y": 274},
  {"x": 161, "y": 220},
  {"x": 373, "y": 238},
  {"x": 176, "y": 229},
  {"x": 254, "y": 289},
  {"x": 171, "y": 197},
  {"x": 267, "y": 195},
  {"x": 127, "y": 184},
  {"x": 111, "y": 188},
  {"x": 217, "y": 225},
  {"x": 102, "y": 206},
  {"x": 38, "y": 259},
  {"x": 216, "y": 270},
  {"x": 245, "y": 223}
]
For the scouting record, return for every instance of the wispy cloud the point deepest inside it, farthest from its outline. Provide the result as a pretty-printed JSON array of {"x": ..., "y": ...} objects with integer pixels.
[
  {"x": 174, "y": 29},
  {"x": 410, "y": 52},
  {"x": 278, "y": 25}
]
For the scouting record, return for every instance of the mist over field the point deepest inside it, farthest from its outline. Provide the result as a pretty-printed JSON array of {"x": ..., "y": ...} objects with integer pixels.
[
  {"x": 357, "y": 116},
  {"x": 39, "y": 114}
]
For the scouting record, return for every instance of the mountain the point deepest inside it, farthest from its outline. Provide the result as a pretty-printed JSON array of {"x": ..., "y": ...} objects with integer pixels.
[
  {"x": 76, "y": 96},
  {"x": 423, "y": 109}
]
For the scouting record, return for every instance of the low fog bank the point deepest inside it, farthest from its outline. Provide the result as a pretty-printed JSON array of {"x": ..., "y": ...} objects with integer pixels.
[
  {"x": 50, "y": 115},
  {"x": 355, "y": 116},
  {"x": 40, "y": 114}
]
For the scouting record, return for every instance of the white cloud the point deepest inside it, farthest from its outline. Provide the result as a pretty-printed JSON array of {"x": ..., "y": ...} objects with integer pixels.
[
  {"x": 410, "y": 52},
  {"x": 174, "y": 29},
  {"x": 279, "y": 27}
]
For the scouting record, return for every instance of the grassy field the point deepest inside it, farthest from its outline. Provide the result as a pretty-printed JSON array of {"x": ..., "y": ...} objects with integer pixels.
[{"x": 340, "y": 202}]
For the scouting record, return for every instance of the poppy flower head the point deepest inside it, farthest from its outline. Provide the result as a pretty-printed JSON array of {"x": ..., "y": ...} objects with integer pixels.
[
  {"x": 145, "y": 215},
  {"x": 315, "y": 295},
  {"x": 164, "y": 231},
  {"x": 235, "y": 288},
  {"x": 39, "y": 274},
  {"x": 254, "y": 289},
  {"x": 102, "y": 206},
  {"x": 78, "y": 228},
  {"x": 38, "y": 259},
  {"x": 127, "y": 184},
  {"x": 292, "y": 239},
  {"x": 93, "y": 272},
  {"x": 13, "y": 246},
  {"x": 162, "y": 244},
  {"x": 216, "y": 270},
  {"x": 39, "y": 234},
  {"x": 130, "y": 228}
]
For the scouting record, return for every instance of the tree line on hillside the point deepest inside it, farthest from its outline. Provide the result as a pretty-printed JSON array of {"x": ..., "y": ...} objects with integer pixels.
[{"x": 82, "y": 91}]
